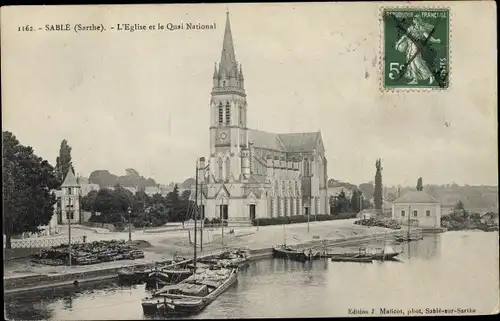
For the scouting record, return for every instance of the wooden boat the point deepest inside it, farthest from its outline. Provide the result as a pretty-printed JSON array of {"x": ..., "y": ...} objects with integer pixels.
[
  {"x": 372, "y": 254},
  {"x": 157, "y": 279},
  {"x": 293, "y": 254},
  {"x": 342, "y": 258},
  {"x": 188, "y": 297},
  {"x": 131, "y": 274}
]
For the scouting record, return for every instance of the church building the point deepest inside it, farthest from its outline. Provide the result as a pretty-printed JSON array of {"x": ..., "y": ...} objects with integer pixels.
[{"x": 251, "y": 173}]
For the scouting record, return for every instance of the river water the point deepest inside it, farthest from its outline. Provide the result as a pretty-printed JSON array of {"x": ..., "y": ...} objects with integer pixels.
[{"x": 453, "y": 270}]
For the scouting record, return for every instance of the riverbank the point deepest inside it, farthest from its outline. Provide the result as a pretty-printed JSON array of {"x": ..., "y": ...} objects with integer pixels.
[{"x": 42, "y": 277}]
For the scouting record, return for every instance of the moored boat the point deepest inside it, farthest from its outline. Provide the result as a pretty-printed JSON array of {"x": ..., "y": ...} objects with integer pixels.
[
  {"x": 191, "y": 295},
  {"x": 386, "y": 254},
  {"x": 343, "y": 258},
  {"x": 132, "y": 274},
  {"x": 293, "y": 254}
]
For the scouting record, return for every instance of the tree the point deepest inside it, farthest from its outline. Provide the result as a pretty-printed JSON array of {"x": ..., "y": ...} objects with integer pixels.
[
  {"x": 141, "y": 201},
  {"x": 88, "y": 202},
  {"x": 341, "y": 204},
  {"x": 105, "y": 202},
  {"x": 185, "y": 195},
  {"x": 355, "y": 198},
  {"x": 377, "y": 194},
  {"x": 420, "y": 186},
  {"x": 367, "y": 189},
  {"x": 63, "y": 162},
  {"x": 27, "y": 183},
  {"x": 459, "y": 206}
]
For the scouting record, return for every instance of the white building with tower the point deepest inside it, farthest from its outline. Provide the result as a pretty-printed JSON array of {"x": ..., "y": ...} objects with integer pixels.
[{"x": 251, "y": 173}]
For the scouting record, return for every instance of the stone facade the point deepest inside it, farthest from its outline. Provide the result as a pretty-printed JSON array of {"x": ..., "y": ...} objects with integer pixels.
[
  {"x": 69, "y": 201},
  {"x": 251, "y": 173},
  {"x": 417, "y": 205}
]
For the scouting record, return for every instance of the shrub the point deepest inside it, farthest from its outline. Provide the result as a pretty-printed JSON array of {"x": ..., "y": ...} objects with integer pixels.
[{"x": 119, "y": 226}]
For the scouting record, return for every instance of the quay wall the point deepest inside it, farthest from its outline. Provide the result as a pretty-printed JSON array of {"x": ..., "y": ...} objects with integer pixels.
[{"x": 39, "y": 282}]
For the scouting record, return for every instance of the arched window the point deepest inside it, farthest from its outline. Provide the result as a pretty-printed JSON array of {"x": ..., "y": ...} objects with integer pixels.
[
  {"x": 228, "y": 113},
  {"x": 221, "y": 113},
  {"x": 307, "y": 169},
  {"x": 223, "y": 83},
  {"x": 240, "y": 115},
  {"x": 219, "y": 174},
  {"x": 228, "y": 169}
]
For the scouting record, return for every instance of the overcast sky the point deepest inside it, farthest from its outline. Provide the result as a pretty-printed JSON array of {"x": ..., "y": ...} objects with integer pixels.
[{"x": 140, "y": 99}]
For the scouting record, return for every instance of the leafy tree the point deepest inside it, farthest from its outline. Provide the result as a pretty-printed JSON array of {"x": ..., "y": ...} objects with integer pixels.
[
  {"x": 377, "y": 194},
  {"x": 341, "y": 204},
  {"x": 63, "y": 162},
  {"x": 355, "y": 201},
  {"x": 103, "y": 178},
  {"x": 124, "y": 198},
  {"x": 106, "y": 202},
  {"x": 88, "y": 202},
  {"x": 185, "y": 195},
  {"x": 367, "y": 189},
  {"x": 420, "y": 186},
  {"x": 157, "y": 199},
  {"x": 459, "y": 206},
  {"x": 27, "y": 180},
  {"x": 141, "y": 201}
]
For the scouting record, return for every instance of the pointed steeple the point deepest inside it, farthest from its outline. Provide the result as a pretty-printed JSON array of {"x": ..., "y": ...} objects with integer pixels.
[
  {"x": 70, "y": 179},
  {"x": 241, "y": 72},
  {"x": 215, "y": 71},
  {"x": 228, "y": 65}
]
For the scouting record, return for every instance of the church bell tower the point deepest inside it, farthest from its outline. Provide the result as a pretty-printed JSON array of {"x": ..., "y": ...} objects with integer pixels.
[{"x": 228, "y": 110}]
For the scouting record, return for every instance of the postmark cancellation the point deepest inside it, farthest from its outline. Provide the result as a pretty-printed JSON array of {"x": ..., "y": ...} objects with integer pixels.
[{"x": 415, "y": 48}]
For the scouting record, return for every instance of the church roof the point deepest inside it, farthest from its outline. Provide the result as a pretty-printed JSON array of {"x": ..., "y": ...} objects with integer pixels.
[
  {"x": 416, "y": 197},
  {"x": 70, "y": 179},
  {"x": 299, "y": 142},
  {"x": 292, "y": 142},
  {"x": 265, "y": 140}
]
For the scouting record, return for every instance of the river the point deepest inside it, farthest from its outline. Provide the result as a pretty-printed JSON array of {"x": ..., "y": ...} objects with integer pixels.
[{"x": 453, "y": 270}]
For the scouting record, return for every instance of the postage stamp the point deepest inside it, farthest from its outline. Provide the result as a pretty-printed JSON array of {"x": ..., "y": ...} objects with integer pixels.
[{"x": 416, "y": 48}]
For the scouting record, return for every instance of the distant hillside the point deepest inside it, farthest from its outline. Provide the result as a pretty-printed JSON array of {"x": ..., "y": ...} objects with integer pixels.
[
  {"x": 480, "y": 198},
  {"x": 335, "y": 183},
  {"x": 188, "y": 183},
  {"x": 132, "y": 179}
]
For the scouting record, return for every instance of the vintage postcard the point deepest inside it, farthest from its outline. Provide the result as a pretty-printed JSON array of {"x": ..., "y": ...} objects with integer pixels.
[{"x": 256, "y": 160}]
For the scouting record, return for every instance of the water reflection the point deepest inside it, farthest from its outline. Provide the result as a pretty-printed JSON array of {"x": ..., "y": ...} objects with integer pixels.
[
  {"x": 428, "y": 248},
  {"x": 282, "y": 288}
]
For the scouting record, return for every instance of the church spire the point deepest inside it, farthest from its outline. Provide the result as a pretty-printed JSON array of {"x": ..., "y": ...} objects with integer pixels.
[{"x": 228, "y": 65}]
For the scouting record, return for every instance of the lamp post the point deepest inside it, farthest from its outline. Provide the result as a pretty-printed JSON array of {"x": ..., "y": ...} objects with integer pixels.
[
  {"x": 69, "y": 214},
  {"x": 129, "y": 226},
  {"x": 222, "y": 219}
]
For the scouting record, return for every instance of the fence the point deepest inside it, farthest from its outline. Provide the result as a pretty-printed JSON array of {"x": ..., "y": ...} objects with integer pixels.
[{"x": 45, "y": 243}]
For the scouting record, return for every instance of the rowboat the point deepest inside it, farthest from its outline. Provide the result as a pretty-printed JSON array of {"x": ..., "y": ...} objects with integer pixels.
[
  {"x": 191, "y": 295},
  {"x": 371, "y": 254},
  {"x": 343, "y": 258}
]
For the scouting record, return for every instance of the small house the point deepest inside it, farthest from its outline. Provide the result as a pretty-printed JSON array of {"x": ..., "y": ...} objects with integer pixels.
[{"x": 419, "y": 206}]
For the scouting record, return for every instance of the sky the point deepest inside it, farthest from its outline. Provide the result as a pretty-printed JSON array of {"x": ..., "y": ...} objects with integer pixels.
[{"x": 141, "y": 99}]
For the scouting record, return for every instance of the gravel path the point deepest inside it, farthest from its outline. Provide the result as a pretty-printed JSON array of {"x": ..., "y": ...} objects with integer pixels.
[{"x": 164, "y": 245}]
